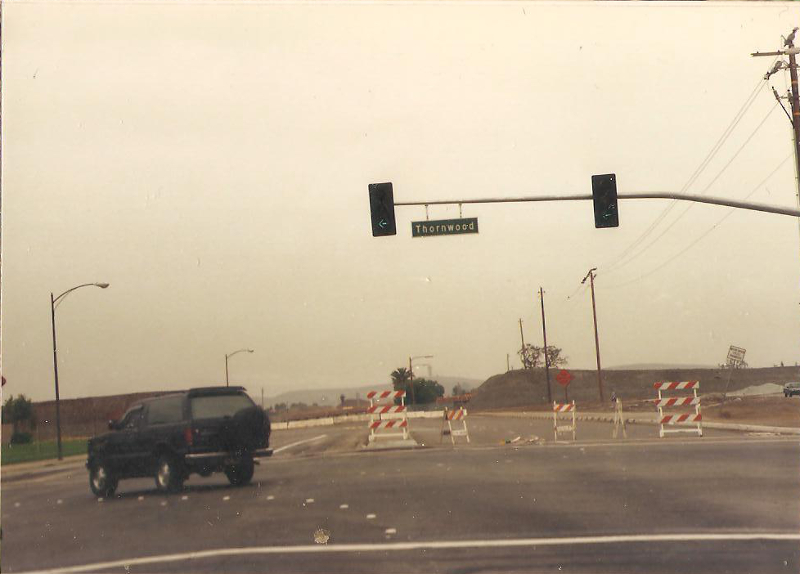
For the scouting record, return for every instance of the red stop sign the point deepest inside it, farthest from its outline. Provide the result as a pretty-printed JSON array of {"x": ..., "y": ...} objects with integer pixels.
[{"x": 564, "y": 377}]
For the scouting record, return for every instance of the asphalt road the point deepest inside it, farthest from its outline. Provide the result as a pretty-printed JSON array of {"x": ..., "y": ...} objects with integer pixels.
[{"x": 726, "y": 502}]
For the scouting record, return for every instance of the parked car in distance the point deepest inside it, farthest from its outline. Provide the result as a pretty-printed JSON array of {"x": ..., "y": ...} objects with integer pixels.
[
  {"x": 203, "y": 430},
  {"x": 791, "y": 389}
]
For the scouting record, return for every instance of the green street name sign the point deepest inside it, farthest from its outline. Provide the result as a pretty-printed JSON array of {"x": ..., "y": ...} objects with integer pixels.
[{"x": 444, "y": 227}]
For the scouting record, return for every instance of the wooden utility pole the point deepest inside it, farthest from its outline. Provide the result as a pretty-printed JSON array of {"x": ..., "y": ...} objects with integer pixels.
[
  {"x": 508, "y": 362},
  {"x": 590, "y": 276},
  {"x": 794, "y": 96},
  {"x": 546, "y": 358},
  {"x": 522, "y": 337}
]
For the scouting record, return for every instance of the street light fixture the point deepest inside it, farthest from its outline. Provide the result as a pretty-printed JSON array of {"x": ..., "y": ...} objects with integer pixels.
[
  {"x": 229, "y": 355},
  {"x": 411, "y": 372},
  {"x": 53, "y": 302}
]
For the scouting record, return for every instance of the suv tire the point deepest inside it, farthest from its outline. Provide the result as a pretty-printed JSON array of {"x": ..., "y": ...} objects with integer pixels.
[
  {"x": 169, "y": 475},
  {"x": 101, "y": 481},
  {"x": 241, "y": 473}
]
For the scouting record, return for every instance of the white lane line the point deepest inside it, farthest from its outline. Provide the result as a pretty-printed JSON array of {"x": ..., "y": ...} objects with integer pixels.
[
  {"x": 290, "y": 445},
  {"x": 430, "y": 545},
  {"x": 59, "y": 501},
  {"x": 344, "y": 506},
  {"x": 370, "y": 516},
  {"x": 270, "y": 497},
  {"x": 184, "y": 497},
  {"x": 140, "y": 498},
  {"x": 391, "y": 531},
  {"x": 309, "y": 500},
  {"x": 226, "y": 498}
]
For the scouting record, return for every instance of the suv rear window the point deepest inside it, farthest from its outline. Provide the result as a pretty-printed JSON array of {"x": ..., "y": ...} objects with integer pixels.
[{"x": 217, "y": 406}]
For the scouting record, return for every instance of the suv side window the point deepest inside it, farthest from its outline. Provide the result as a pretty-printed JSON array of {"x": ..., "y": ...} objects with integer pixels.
[
  {"x": 167, "y": 410},
  {"x": 133, "y": 418}
]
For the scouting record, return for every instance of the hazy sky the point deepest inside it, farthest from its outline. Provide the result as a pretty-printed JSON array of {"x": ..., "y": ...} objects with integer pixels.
[{"x": 211, "y": 161}]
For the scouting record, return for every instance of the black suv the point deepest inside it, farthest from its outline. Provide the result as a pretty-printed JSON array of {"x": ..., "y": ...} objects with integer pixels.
[
  {"x": 791, "y": 389},
  {"x": 202, "y": 430}
]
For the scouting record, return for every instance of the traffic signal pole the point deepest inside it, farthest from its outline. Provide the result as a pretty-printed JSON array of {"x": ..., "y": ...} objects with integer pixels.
[{"x": 639, "y": 195}]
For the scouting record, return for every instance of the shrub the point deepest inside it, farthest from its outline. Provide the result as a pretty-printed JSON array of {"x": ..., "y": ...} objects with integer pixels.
[{"x": 21, "y": 438}]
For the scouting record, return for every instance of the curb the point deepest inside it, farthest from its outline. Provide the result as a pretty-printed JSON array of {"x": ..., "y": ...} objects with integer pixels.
[{"x": 610, "y": 419}]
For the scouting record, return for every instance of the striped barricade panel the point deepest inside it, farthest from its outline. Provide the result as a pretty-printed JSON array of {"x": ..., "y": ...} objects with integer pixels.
[
  {"x": 564, "y": 408},
  {"x": 619, "y": 420},
  {"x": 675, "y": 419},
  {"x": 459, "y": 414},
  {"x": 391, "y": 423},
  {"x": 385, "y": 394},
  {"x": 677, "y": 386},
  {"x": 387, "y": 416},
  {"x": 383, "y": 409},
  {"x": 695, "y": 418}
]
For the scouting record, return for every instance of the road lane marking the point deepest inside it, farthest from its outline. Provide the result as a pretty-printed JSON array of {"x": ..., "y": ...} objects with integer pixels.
[
  {"x": 309, "y": 500},
  {"x": 391, "y": 531},
  {"x": 270, "y": 497},
  {"x": 370, "y": 516},
  {"x": 344, "y": 506},
  {"x": 290, "y": 445},
  {"x": 226, "y": 498},
  {"x": 59, "y": 501},
  {"x": 184, "y": 497},
  {"x": 422, "y": 545},
  {"x": 140, "y": 498}
]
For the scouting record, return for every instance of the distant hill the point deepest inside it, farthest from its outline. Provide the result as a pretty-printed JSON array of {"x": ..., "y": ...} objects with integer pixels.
[{"x": 330, "y": 396}]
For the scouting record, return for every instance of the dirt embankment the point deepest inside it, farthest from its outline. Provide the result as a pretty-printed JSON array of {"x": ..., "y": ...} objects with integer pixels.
[{"x": 528, "y": 388}]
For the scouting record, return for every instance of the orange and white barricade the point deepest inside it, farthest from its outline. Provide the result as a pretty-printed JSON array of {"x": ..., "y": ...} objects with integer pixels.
[
  {"x": 619, "y": 420},
  {"x": 663, "y": 402},
  {"x": 459, "y": 414},
  {"x": 390, "y": 419},
  {"x": 563, "y": 408}
]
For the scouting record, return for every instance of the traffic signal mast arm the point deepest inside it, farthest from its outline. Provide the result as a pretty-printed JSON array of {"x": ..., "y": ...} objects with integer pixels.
[{"x": 642, "y": 195}]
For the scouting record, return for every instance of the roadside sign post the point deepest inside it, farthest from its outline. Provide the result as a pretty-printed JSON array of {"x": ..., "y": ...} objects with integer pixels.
[{"x": 564, "y": 377}]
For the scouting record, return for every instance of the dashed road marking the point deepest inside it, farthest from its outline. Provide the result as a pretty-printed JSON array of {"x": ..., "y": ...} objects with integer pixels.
[
  {"x": 163, "y": 503},
  {"x": 184, "y": 497},
  {"x": 226, "y": 498},
  {"x": 423, "y": 545},
  {"x": 270, "y": 497},
  {"x": 99, "y": 500},
  {"x": 344, "y": 506},
  {"x": 371, "y": 516},
  {"x": 59, "y": 501},
  {"x": 391, "y": 531},
  {"x": 309, "y": 500},
  {"x": 277, "y": 450},
  {"x": 140, "y": 498},
  {"x": 16, "y": 505}
]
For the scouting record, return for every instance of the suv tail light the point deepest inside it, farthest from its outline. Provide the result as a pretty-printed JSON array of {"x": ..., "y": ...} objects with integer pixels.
[{"x": 188, "y": 436}]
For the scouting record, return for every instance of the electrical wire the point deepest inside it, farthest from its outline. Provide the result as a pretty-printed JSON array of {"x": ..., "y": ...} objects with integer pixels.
[
  {"x": 698, "y": 171},
  {"x": 705, "y": 189},
  {"x": 707, "y": 232}
]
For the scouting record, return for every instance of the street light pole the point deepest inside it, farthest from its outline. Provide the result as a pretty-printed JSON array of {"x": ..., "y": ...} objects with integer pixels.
[
  {"x": 53, "y": 302},
  {"x": 411, "y": 373},
  {"x": 227, "y": 356}
]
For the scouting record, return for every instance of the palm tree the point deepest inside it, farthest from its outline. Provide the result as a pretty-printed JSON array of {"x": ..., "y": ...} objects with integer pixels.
[{"x": 400, "y": 378}]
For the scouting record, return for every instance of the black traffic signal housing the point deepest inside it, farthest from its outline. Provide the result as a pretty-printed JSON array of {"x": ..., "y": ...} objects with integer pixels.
[
  {"x": 604, "y": 196},
  {"x": 381, "y": 207}
]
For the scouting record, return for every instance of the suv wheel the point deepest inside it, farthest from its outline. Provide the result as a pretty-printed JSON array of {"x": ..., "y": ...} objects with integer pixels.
[
  {"x": 240, "y": 473},
  {"x": 101, "y": 481},
  {"x": 169, "y": 476}
]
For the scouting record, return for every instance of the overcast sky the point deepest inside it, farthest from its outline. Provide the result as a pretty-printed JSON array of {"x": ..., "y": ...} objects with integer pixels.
[{"x": 211, "y": 160}]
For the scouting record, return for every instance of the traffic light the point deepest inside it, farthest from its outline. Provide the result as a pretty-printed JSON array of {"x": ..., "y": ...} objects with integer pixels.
[
  {"x": 381, "y": 206},
  {"x": 604, "y": 195}
]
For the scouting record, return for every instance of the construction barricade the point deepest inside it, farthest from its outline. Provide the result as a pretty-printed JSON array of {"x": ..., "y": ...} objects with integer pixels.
[
  {"x": 563, "y": 408},
  {"x": 459, "y": 414},
  {"x": 686, "y": 400},
  {"x": 390, "y": 419},
  {"x": 619, "y": 420}
]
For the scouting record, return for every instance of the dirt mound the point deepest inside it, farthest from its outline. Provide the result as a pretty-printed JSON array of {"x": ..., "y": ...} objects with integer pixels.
[{"x": 519, "y": 388}]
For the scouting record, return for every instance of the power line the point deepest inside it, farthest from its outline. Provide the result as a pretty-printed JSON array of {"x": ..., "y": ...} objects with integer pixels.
[
  {"x": 710, "y": 156},
  {"x": 682, "y": 213},
  {"x": 707, "y": 232}
]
